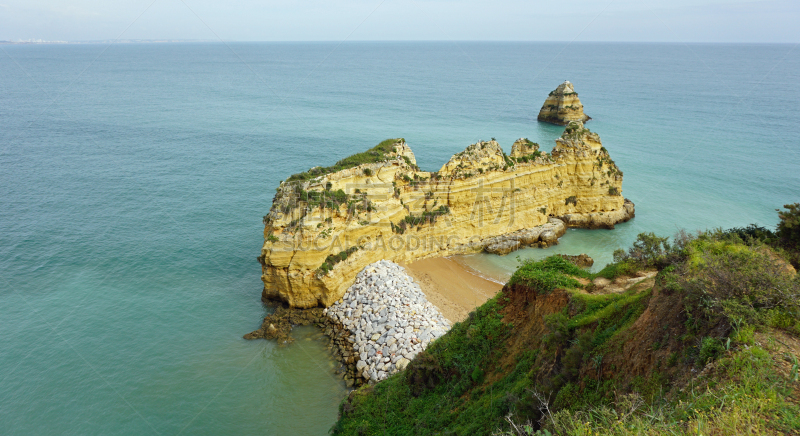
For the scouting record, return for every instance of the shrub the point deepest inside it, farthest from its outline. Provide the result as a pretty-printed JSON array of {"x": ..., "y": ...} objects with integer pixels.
[
  {"x": 367, "y": 172},
  {"x": 613, "y": 190},
  {"x": 573, "y": 200},
  {"x": 333, "y": 259},
  {"x": 738, "y": 283},
  {"x": 710, "y": 349},
  {"x": 789, "y": 226},
  {"x": 649, "y": 249},
  {"x": 427, "y": 217},
  {"x": 749, "y": 234}
]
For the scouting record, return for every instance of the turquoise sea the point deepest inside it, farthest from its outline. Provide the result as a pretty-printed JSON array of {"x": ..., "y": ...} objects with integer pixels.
[{"x": 133, "y": 180}]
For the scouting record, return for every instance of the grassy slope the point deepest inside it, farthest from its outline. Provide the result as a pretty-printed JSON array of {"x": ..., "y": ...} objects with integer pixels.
[{"x": 546, "y": 355}]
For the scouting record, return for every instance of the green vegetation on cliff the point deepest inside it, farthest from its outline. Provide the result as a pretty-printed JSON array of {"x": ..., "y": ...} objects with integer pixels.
[
  {"x": 378, "y": 153},
  {"x": 710, "y": 345}
]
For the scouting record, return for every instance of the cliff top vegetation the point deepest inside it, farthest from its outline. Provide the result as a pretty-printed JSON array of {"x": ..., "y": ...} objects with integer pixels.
[
  {"x": 378, "y": 153},
  {"x": 709, "y": 345}
]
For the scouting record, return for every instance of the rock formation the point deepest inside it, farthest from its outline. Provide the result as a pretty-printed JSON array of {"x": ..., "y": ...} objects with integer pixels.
[
  {"x": 563, "y": 106},
  {"x": 327, "y": 224}
]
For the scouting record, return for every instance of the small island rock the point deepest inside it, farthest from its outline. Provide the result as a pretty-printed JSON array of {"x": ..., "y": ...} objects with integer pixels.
[{"x": 563, "y": 106}]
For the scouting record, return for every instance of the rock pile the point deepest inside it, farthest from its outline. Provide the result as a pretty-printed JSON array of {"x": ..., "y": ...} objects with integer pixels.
[{"x": 388, "y": 318}]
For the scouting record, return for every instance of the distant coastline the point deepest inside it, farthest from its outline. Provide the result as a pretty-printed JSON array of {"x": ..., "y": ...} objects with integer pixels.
[{"x": 106, "y": 41}]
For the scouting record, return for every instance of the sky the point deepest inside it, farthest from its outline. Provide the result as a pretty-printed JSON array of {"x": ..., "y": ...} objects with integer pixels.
[{"x": 767, "y": 21}]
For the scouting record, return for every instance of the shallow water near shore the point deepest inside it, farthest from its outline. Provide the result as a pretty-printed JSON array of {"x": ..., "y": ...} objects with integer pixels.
[{"x": 133, "y": 183}]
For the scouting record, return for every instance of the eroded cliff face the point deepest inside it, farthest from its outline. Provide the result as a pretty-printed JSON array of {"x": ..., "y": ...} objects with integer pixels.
[
  {"x": 322, "y": 231},
  {"x": 563, "y": 106}
]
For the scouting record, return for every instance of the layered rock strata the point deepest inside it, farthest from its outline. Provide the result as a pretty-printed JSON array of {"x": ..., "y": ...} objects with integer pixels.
[
  {"x": 563, "y": 106},
  {"x": 388, "y": 318},
  {"x": 325, "y": 226}
]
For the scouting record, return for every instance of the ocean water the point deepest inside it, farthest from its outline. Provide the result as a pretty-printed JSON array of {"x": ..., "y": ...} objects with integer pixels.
[{"x": 133, "y": 179}]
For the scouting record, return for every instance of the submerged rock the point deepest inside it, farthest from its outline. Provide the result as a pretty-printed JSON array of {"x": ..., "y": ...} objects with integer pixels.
[{"x": 278, "y": 325}]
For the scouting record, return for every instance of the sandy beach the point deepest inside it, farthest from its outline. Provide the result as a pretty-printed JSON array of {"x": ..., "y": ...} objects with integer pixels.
[{"x": 454, "y": 288}]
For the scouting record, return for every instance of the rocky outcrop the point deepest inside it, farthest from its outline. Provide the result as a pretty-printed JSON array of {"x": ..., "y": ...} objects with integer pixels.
[
  {"x": 540, "y": 236},
  {"x": 278, "y": 324},
  {"x": 563, "y": 106},
  {"x": 600, "y": 220},
  {"x": 327, "y": 224}
]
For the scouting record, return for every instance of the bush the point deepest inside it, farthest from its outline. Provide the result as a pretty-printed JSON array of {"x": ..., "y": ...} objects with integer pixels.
[
  {"x": 427, "y": 217},
  {"x": 651, "y": 251},
  {"x": 548, "y": 275},
  {"x": 749, "y": 234},
  {"x": 573, "y": 200},
  {"x": 789, "y": 226},
  {"x": 710, "y": 349},
  {"x": 738, "y": 283},
  {"x": 648, "y": 248},
  {"x": 333, "y": 259}
]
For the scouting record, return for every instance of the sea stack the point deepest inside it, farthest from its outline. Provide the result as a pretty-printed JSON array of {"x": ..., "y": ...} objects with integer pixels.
[
  {"x": 327, "y": 224},
  {"x": 563, "y": 106}
]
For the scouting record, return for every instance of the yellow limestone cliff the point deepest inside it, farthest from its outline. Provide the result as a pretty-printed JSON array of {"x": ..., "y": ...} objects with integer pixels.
[
  {"x": 327, "y": 224},
  {"x": 563, "y": 106}
]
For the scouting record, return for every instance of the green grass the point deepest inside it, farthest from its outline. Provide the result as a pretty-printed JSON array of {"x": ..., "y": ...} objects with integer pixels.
[
  {"x": 428, "y": 398},
  {"x": 746, "y": 396},
  {"x": 603, "y": 306},
  {"x": 379, "y": 153},
  {"x": 617, "y": 269},
  {"x": 547, "y": 275},
  {"x": 484, "y": 370}
]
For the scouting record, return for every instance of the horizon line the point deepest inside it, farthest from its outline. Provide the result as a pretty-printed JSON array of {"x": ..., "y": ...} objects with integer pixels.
[{"x": 39, "y": 41}]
